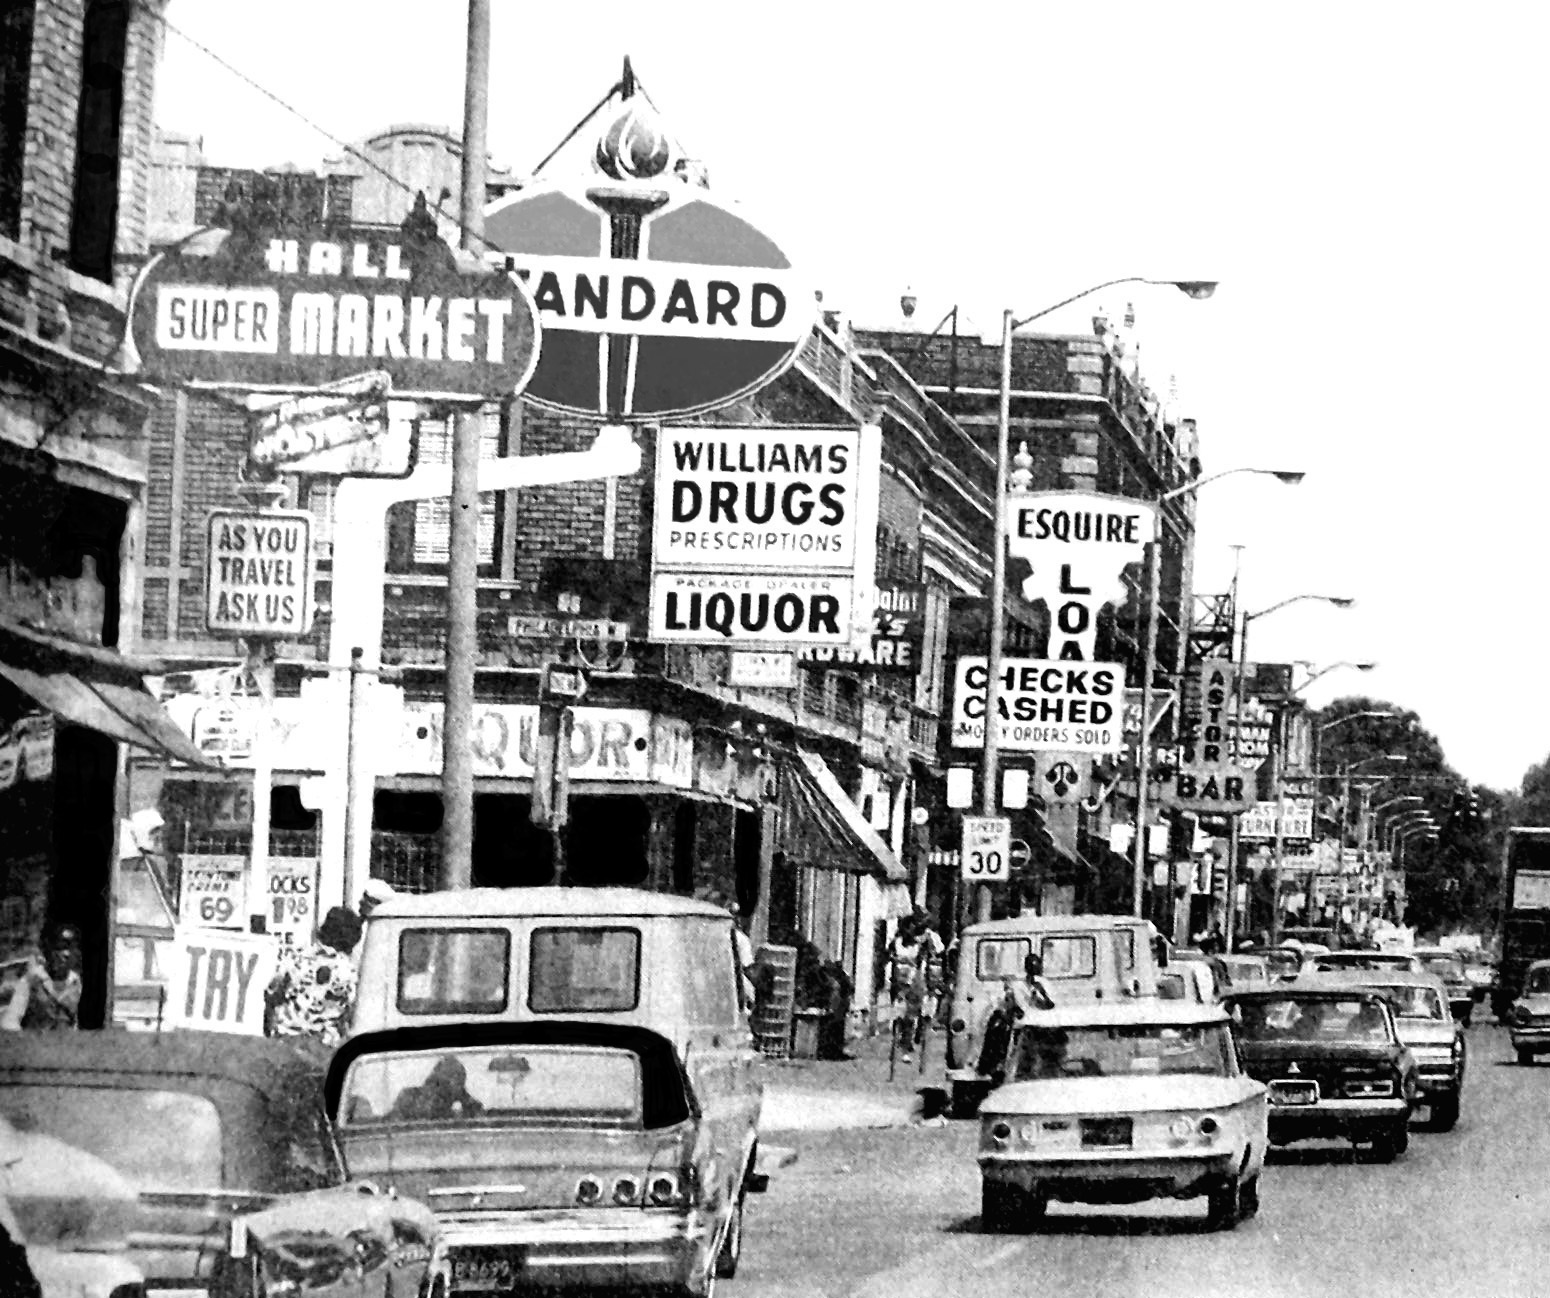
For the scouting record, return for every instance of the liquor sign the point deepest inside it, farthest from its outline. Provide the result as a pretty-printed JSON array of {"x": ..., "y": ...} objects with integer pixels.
[
  {"x": 706, "y": 310},
  {"x": 216, "y": 981},
  {"x": 760, "y": 535},
  {"x": 1079, "y": 544},
  {"x": 897, "y": 635},
  {"x": 1074, "y": 707},
  {"x": 289, "y": 310},
  {"x": 258, "y": 575},
  {"x": 213, "y": 892}
]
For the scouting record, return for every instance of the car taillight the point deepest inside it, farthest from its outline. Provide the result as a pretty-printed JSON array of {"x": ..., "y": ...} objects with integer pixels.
[
  {"x": 957, "y": 1025},
  {"x": 663, "y": 1191},
  {"x": 626, "y": 1190},
  {"x": 999, "y": 1132},
  {"x": 589, "y": 1190}
]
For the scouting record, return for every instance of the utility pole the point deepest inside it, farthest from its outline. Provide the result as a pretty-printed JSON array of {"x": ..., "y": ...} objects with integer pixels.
[{"x": 457, "y": 760}]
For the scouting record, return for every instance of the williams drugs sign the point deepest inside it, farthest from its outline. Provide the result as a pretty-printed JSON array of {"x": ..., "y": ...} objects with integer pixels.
[{"x": 759, "y": 534}]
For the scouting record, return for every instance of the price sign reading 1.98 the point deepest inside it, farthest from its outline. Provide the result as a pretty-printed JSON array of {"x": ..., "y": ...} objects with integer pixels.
[
  {"x": 291, "y": 909},
  {"x": 987, "y": 849},
  {"x": 213, "y": 892}
]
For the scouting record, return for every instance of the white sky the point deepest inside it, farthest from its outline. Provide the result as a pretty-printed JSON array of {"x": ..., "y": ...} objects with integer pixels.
[{"x": 1365, "y": 181}]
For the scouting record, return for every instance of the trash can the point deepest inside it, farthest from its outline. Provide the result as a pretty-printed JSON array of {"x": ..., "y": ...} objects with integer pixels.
[{"x": 804, "y": 1036}]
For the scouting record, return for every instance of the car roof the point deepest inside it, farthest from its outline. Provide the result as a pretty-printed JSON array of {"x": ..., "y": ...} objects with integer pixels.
[
  {"x": 468, "y": 903},
  {"x": 1143, "y": 1010},
  {"x": 1367, "y": 978},
  {"x": 1301, "y": 990},
  {"x": 269, "y": 1064},
  {"x": 1539, "y": 964},
  {"x": 1433, "y": 952}
]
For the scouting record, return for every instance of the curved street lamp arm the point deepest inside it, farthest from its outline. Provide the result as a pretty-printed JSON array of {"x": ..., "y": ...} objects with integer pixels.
[
  {"x": 1339, "y": 601},
  {"x": 1288, "y": 476},
  {"x": 1077, "y": 297},
  {"x": 1349, "y": 716}
]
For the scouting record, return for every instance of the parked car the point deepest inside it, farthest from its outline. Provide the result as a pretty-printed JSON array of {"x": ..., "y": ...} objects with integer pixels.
[
  {"x": 1306, "y": 935},
  {"x": 1448, "y": 966},
  {"x": 1118, "y": 1103},
  {"x": 1528, "y": 1020},
  {"x": 563, "y": 1154},
  {"x": 70, "y": 1214},
  {"x": 1334, "y": 1063},
  {"x": 206, "y": 1128},
  {"x": 1480, "y": 969},
  {"x": 1216, "y": 979},
  {"x": 1284, "y": 962},
  {"x": 1086, "y": 958},
  {"x": 1245, "y": 971},
  {"x": 1427, "y": 1027},
  {"x": 1191, "y": 981}
]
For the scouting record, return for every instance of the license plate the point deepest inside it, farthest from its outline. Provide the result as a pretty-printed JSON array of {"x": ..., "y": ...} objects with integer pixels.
[
  {"x": 1294, "y": 1093},
  {"x": 482, "y": 1272},
  {"x": 1106, "y": 1133}
]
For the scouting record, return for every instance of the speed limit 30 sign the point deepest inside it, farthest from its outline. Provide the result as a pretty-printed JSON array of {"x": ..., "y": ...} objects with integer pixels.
[{"x": 987, "y": 848}]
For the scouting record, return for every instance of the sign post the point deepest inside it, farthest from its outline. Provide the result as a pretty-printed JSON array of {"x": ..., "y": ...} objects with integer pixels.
[{"x": 987, "y": 849}]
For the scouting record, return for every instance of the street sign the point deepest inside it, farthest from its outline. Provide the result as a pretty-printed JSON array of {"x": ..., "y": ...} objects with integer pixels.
[
  {"x": 344, "y": 429},
  {"x": 704, "y": 311},
  {"x": 258, "y": 574},
  {"x": 1078, "y": 544},
  {"x": 1019, "y": 855},
  {"x": 293, "y": 310},
  {"x": 987, "y": 849},
  {"x": 1045, "y": 706}
]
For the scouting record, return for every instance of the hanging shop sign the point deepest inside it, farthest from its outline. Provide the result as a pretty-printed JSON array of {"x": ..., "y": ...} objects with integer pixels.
[
  {"x": 760, "y": 535},
  {"x": 258, "y": 574},
  {"x": 1078, "y": 545},
  {"x": 213, "y": 892},
  {"x": 1209, "y": 777},
  {"x": 1045, "y": 706},
  {"x": 1260, "y": 820},
  {"x": 758, "y": 669},
  {"x": 345, "y": 429},
  {"x": 216, "y": 981},
  {"x": 897, "y": 635},
  {"x": 1251, "y": 730},
  {"x": 294, "y": 310},
  {"x": 656, "y": 299}
]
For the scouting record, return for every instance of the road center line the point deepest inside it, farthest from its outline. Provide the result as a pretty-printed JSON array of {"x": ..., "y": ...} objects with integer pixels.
[{"x": 1002, "y": 1254}]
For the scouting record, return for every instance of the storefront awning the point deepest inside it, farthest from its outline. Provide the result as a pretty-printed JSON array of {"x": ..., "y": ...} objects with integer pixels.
[
  {"x": 95, "y": 688},
  {"x": 822, "y": 827}
]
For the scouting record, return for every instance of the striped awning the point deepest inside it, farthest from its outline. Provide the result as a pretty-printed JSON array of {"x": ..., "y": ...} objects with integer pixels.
[{"x": 821, "y": 827}]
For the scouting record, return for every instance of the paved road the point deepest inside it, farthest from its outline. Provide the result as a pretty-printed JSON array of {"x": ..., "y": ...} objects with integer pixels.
[{"x": 893, "y": 1214}]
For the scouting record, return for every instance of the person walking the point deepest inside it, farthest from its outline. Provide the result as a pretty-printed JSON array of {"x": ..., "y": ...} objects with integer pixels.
[{"x": 314, "y": 987}]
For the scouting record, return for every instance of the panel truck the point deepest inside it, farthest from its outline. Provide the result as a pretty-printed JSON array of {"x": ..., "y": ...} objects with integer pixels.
[{"x": 1525, "y": 926}]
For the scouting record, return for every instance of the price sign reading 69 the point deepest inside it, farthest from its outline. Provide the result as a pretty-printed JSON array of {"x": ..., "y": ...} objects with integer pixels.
[{"x": 987, "y": 849}]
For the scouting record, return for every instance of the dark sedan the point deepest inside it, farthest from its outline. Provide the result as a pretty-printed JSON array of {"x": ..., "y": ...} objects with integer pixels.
[{"x": 1333, "y": 1062}]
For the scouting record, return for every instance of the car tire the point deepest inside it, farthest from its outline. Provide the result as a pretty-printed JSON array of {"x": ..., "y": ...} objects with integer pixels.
[
  {"x": 1248, "y": 1198},
  {"x": 1392, "y": 1143},
  {"x": 1005, "y": 1208},
  {"x": 1525, "y": 1057},
  {"x": 966, "y": 1098},
  {"x": 1224, "y": 1204},
  {"x": 731, "y": 1243},
  {"x": 1445, "y": 1112}
]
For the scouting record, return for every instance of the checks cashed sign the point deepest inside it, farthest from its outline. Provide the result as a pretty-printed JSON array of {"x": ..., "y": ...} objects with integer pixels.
[
  {"x": 1045, "y": 706},
  {"x": 760, "y": 533}
]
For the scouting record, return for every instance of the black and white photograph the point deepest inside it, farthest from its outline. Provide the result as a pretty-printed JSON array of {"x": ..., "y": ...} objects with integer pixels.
[{"x": 804, "y": 651}]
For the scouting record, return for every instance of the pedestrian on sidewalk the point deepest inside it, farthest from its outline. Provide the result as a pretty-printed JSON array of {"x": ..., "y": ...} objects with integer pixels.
[
  {"x": 314, "y": 987},
  {"x": 915, "y": 974}
]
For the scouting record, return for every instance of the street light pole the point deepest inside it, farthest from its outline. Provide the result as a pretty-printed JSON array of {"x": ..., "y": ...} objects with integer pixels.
[{"x": 990, "y": 757}]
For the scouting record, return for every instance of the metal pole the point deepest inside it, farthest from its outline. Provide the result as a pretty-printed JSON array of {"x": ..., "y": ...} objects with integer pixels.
[
  {"x": 1277, "y": 725},
  {"x": 358, "y": 798},
  {"x": 1143, "y": 747},
  {"x": 990, "y": 777},
  {"x": 457, "y": 761}
]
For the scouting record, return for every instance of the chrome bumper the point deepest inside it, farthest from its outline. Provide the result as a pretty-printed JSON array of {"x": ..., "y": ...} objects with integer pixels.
[
  {"x": 1531, "y": 1037},
  {"x": 1168, "y": 1173},
  {"x": 1335, "y": 1118},
  {"x": 585, "y": 1248}
]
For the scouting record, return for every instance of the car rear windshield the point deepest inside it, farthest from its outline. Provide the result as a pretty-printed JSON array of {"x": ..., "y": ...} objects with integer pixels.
[
  {"x": 1450, "y": 967},
  {"x": 1537, "y": 982},
  {"x": 1043, "y": 1053},
  {"x": 159, "y": 1140},
  {"x": 453, "y": 970},
  {"x": 577, "y": 970},
  {"x": 1294, "y": 1018},
  {"x": 1417, "y": 1003},
  {"x": 472, "y": 1085}
]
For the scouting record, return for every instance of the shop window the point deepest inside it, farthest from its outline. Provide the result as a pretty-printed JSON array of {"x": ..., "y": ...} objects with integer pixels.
[
  {"x": 433, "y": 518},
  {"x": 94, "y": 214},
  {"x": 16, "y": 19}
]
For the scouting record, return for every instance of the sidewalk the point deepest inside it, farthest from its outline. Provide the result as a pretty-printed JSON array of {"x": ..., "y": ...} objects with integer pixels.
[{"x": 829, "y": 1095}]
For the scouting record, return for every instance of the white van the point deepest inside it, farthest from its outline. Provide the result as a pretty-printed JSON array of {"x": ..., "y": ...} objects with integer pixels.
[{"x": 1086, "y": 957}]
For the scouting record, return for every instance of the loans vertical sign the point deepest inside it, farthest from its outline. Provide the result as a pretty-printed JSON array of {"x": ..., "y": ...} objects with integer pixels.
[
  {"x": 258, "y": 576},
  {"x": 760, "y": 534}
]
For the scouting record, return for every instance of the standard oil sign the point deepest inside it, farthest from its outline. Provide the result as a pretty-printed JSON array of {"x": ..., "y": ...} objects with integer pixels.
[
  {"x": 758, "y": 533},
  {"x": 259, "y": 577}
]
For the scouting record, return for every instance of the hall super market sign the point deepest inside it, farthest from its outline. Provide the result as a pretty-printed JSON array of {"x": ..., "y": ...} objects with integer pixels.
[
  {"x": 281, "y": 310},
  {"x": 1045, "y": 706},
  {"x": 760, "y": 534}
]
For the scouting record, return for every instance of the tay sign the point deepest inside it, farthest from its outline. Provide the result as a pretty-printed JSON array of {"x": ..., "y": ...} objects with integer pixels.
[{"x": 1078, "y": 544}]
